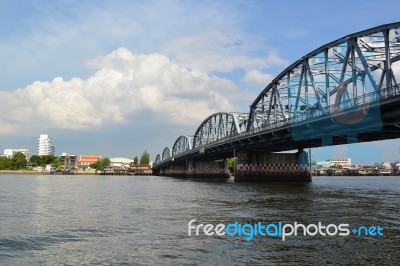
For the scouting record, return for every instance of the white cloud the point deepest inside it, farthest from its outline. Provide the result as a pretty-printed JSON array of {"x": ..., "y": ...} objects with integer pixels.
[
  {"x": 124, "y": 84},
  {"x": 255, "y": 77},
  {"x": 274, "y": 60},
  {"x": 217, "y": 51}
]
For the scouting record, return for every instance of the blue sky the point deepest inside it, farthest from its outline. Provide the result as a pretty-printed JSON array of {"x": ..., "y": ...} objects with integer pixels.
[{"x": 117, "y": 77}]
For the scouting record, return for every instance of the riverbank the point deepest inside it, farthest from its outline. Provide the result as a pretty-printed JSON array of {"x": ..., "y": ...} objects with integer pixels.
[
  {"x": 32, "y": 172},
  {"x": 23, "y": 172}
]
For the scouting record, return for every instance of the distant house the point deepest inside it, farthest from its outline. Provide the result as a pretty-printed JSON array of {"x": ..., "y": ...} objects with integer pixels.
[
  {"x": 50, "y": 167},
  {"x": 38, "y": 168},
  {"x": 86, "y": 160},
  {"x": 345, "y": 162},
  {"x": 386, "y": 165},
  {"x": 120, "y": 162},
  {"x": 68, "y": 161}
]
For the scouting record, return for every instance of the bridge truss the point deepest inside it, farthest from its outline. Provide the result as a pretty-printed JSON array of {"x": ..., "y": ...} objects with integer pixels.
[
  {"x": 219, "y": 126},
  {"x": 345, "y": 73},
  {"x": 359, "y": 69}
]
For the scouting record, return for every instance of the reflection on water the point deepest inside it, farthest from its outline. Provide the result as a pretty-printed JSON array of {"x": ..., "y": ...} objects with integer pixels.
[{"x": 143, "y": 220}]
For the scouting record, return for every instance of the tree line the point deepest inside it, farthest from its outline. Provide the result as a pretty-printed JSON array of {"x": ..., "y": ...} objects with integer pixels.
[
  {"x": 144, "y": 159},
  {"x": 19, "y": 161}
]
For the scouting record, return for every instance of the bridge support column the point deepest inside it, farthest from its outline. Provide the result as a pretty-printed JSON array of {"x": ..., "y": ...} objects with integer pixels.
[
  {"x": 256, "y": 166},
  {"x": 213, "y": 169},
  {"x": 175, "y": 171}
]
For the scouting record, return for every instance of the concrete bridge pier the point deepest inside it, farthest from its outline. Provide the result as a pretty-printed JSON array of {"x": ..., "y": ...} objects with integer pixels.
[
  {"x": 206, "y": 169},
  {"x": 174, "y": 171},
  {"x": 262, "y": 166},
  {"x": 196, "y": 169}
]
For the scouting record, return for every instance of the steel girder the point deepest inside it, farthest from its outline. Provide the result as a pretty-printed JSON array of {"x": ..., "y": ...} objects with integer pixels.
[
  {"x": 218, "y": 126},
  {"x": 166, "y": 154},
  {"x": 345, "y": 73},
  {"x": 182, "y": 144},
  {"x": 158, "y": 159}
]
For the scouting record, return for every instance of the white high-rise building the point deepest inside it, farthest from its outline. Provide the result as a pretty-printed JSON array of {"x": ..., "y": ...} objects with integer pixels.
[{"x": 45, "y": 145}]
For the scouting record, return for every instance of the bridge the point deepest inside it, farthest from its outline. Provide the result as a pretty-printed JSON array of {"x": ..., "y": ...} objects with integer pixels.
[{"x": 344, "y": 92}]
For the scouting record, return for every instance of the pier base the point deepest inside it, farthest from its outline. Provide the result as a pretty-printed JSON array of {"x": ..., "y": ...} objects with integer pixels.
[
  {"x": 256, "y": 166},
  {"x": 197, "y": 169},
  {"x": 208, "y": 169}
]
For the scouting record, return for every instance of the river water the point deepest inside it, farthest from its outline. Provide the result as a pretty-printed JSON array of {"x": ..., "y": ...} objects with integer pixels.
[{"x": 143, "y": 220}]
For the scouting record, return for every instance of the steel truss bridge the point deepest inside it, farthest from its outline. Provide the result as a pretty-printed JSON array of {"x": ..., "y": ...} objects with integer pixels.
[{"x": 346, "y": 91}]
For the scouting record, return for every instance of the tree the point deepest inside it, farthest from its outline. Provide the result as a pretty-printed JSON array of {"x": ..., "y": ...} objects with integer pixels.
[
  {"x": 106, "y": 162},
  {"x": 232, "y": 164},
  {"x": 96, "y": 165},
  {"x": 135, "y": 160},
  {"x": 5, "y": 163},
  {"x": 101, "y": 164},
  {"x": 19, "y": 161},
  {"x": 48, "y": 159},
  {"x": 56, "y": 161},
  {"x": 145, "y": 159},
  {"x": 36, "y": 160}
]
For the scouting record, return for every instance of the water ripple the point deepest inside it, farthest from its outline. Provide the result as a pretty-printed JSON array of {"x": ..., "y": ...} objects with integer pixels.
[{"x": 121, "y": 220}]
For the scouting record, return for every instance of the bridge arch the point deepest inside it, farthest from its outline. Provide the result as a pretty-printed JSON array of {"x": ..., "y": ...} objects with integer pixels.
[
  {"x": 182, "y": 144},
  {"x": 218, "y": 126},
  {"x": 158, "y": 159},
  {"x": 341, "y": 74},
  {"x": 166, "y": 154}
]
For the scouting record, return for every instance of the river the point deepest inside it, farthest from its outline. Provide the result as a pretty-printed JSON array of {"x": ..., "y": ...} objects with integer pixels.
[{"x": 143, "y": 220}]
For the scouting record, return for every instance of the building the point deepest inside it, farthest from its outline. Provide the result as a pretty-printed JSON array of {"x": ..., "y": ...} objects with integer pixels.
[
  {"x": 50, "y": 168},
  {"x": 45, "y": 145},
  {"x": 68, "y": 161},
  {"x": 9, "y": 153},
  {"x": 342, "y": 162},
  {"x": 334, "y": 163},
  {"x": 86, "y": 160},
  {"x": 386, "y": 165},
  {"x": 120, "y": 162},
  {"x": 324, "y": 164}
]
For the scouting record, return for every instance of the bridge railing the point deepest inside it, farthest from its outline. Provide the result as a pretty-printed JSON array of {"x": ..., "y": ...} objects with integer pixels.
[{"x": 348, "y": 105}]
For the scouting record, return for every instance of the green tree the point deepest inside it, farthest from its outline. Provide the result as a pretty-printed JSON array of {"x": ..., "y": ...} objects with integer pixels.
[
  {"x": 145, "y": 159},
  {"x": 135, "y": 160},
  {"x": 232, "y": 164},
  {"x": 5, "y": 163},
  {"x": 56, "y": 161},
  {"x": 106, "y": 162},
  {"x": 48, "y": 159},
  {"x": 101, "y": 164},
  {"x": 36, "y": 160},
  {"x": 96, "y": 165},
  {"x": 19, "y": 161}
]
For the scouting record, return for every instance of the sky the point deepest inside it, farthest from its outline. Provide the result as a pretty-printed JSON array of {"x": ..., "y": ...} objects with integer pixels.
[{"x": 114, "y": 78}]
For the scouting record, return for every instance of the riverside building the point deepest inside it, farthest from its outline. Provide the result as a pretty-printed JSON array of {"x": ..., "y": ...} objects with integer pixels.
[
  {"x": 9, "y": 153},
  {"x": 45, "y": 145}
]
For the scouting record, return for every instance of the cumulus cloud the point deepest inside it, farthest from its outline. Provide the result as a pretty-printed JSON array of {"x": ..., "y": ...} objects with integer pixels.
[
  {"x": 123, "y": 84},
  {"x": 255, "y": 77}
]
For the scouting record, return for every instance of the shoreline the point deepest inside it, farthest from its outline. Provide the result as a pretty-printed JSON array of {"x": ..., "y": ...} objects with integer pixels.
[
  {"x": 24, "y": 172},
  {"x": 32, "y": 172}
]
